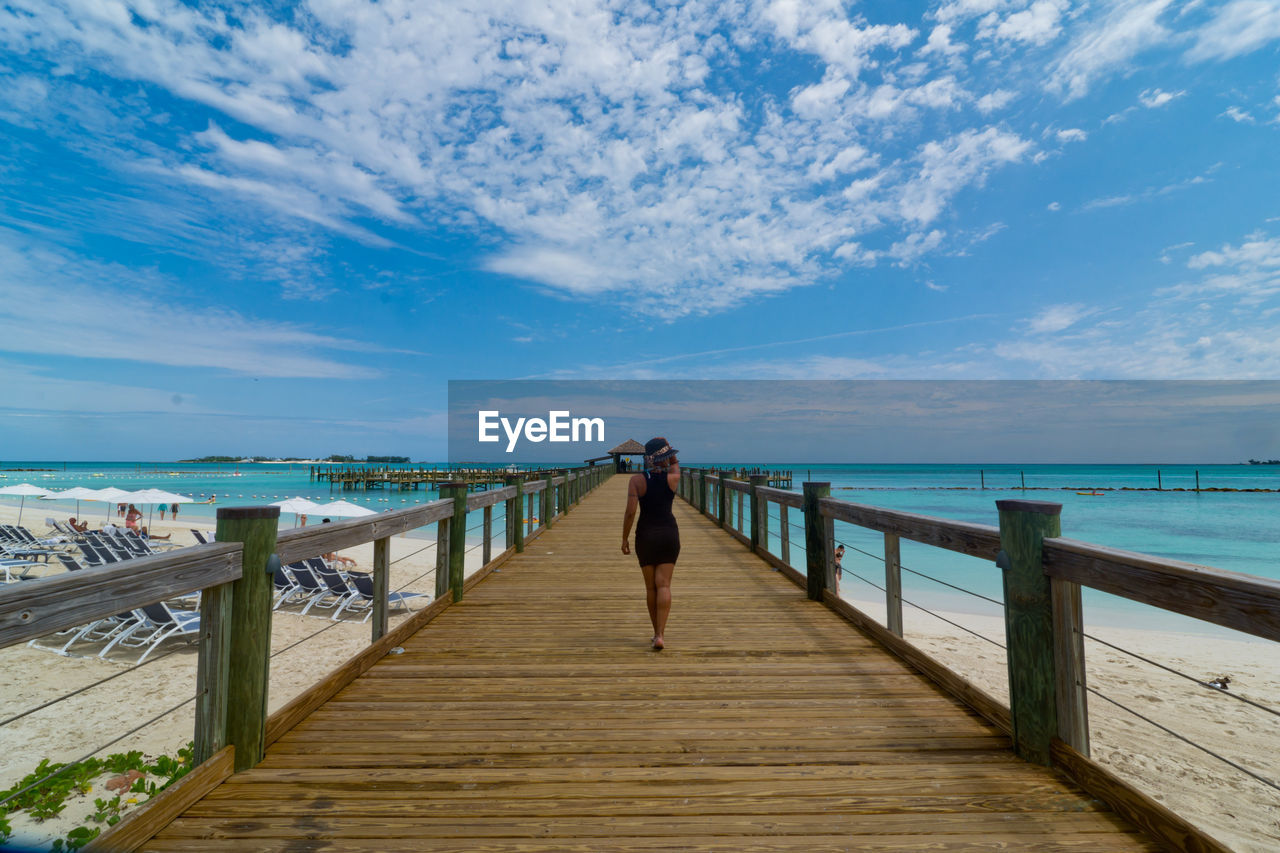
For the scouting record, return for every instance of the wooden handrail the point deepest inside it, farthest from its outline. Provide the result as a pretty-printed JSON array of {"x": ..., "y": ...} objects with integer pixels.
[
  {"x": 35, "y": 608},
  {"x": 303, "y": 542},
  {"x": 1234, "y": 600},
  {"x": 781, "y": 496},
  {"x": 976, "y": 540},
  {"x": 492, "y": 497}
]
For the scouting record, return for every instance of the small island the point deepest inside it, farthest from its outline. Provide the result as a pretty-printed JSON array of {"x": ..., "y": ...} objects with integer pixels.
[{"x": 1264, "y": 461}]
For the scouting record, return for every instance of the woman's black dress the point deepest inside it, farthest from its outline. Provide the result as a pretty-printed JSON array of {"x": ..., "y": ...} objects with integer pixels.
[{"x": 657, "y": 536}]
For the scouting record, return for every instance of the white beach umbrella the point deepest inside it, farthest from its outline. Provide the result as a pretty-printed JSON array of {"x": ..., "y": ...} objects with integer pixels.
[
  {"x": 77, "y": 494},
  {"x": 151, "y": 497},
  {"x": 297, "y": 506},
  {"x": 343, "y": 509},
  {"x": 23, "y": 489},
  {"x": 110, "y": 494}
]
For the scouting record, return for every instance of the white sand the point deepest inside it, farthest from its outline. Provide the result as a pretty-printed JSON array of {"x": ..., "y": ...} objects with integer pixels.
[{"x": 1226, "y": 803}]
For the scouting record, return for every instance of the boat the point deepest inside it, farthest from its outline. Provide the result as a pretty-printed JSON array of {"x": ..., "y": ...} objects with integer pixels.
[{"x": 1090, "y": 493}]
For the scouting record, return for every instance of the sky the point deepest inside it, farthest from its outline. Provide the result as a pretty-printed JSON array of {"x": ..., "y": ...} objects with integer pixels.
[{"x": 268, "y": 228}]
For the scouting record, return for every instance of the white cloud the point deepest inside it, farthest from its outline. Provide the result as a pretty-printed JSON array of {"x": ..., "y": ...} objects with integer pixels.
[
  {"x": 1238, "y": 27},
  {"x": 1054, "y": 205},
  {"x": 947, "y": 167},
  {"x": 109, "y": 312},
  {"x": 1238, "y": 115},
  {"x": 1055, "y": 318},
  {"x": 1154, "y": 98},
  {"x": 1038, "y": 23},
  {"x": 1108, "y": 44},
  {"x": 1072, "y": 134},
  {"x": 993, "y": 101}
]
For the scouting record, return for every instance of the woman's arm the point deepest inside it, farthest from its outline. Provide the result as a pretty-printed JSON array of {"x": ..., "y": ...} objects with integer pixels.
[
  {"x": 635, "y": 488},
  {"x": 673, "y": 475}
]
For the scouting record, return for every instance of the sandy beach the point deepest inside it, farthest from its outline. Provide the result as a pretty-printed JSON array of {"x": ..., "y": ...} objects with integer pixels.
[{"x": 1231, "y": 806}]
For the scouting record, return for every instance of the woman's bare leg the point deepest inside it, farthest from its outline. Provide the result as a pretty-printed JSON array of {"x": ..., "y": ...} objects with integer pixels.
[
  {"x": 651, "y": 596},
  {"x": 662, "y": 600}
]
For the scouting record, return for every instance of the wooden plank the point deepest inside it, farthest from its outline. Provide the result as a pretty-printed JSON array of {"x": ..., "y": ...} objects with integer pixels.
[
  {"x": 313, "y": 697},
  {"x": 301, "y": 543},
  {"x": 782, "y": 496},
  {"x": 1243, "y": 602},
  {"x": 480, "y": 500},
  {"x": 1136, "y": 807},
  {"x": 140, "y": 826},
  {"x": 976, "y": 698},
  {"x": 33, "y": 609},
  {"x": 976, "y": 540}
]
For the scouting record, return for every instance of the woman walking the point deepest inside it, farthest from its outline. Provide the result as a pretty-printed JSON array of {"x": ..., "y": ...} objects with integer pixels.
[{"x": 657, "y": 536}]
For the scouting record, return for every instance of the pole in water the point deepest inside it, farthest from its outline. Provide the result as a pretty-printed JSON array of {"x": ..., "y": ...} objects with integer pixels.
[
  {"x": 982, "y": 479},
  {"x": 1197, "y": 481},
  {"x": 1159, "y": 481},
  {"x": 1024, "y": 480}
]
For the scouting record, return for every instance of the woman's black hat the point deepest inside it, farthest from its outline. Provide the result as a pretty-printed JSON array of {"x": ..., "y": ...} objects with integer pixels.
[{"x": 658, "y": 449}]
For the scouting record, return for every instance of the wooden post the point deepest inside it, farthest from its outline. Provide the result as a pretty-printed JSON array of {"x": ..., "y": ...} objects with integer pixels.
[
  {"x": 486, "y": 551},
  {"x": 443, "y": 528},
  {"x": 212, "y": 671},
  {"x": 457, "y": 534},
  {"x": 892, "y": 584},
  {"x": 721, "y": 500},
  {"x": 1159, "y": 481},
  {"x": 702, "y": 491},
  {"x": 1197, "y": 481},
  {"x": 515, "y": 536},
  {"x": 814, "y": 534},
  {"x": 784, "y": 530},
  {"x": 1029, "y": 623},
  {"x": 759, "y": 513},
  {"x": 738, "y": 516},
  {"x": 248, "y": 670},
  {"x": 1023, "y": 476},
  {"x": 381, "y": 586},
  {"x": 982, "y": 479},
  {"x": 1069, "y": 671}
]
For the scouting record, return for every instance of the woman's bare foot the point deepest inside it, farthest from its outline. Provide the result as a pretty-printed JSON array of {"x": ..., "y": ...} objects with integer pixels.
[{"x": 657, "y": 644}]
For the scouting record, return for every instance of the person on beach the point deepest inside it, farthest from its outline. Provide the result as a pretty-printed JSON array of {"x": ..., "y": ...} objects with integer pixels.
[
  {"x": 120, "y": 510},
  {"x": 78, "y": 528},
  {"x": 173, "y": 513},
  {"x": 839, "y": 558},
  {"x": 163, "y": 508},
  {"x": 132, "y": 517},
  {"x": 657, "y": 535},
  {"x": 333, "y": 558},
  {"x": 146, "y": 535}
]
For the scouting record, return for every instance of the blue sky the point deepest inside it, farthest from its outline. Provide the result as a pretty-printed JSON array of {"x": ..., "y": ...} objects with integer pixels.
[{"x": 268, "y": 228}]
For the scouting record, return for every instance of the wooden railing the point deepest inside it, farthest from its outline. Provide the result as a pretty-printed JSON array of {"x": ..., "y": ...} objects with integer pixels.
[
  {"x": 234, "y": 576},
  {"x": 1042, "y": 573}
]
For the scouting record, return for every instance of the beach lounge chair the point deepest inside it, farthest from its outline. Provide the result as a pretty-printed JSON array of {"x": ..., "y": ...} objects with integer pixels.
[
  {"x": 344, "y": 593},
  {"x": 10, "y": 566},
  {"x": 318, "y": 593},
  {"x": 285, "y": 586},
  {"x": 200, "y": 537},
  {"x": 363, "y": 584},
  {"x": 156, "y": 623}
]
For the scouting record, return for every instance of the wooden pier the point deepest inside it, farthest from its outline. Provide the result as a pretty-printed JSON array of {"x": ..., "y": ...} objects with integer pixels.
[
  {"x": 365, "y": 478},
  {"x": 532, "y": 716},
  {"x": 523, "y": 709}
]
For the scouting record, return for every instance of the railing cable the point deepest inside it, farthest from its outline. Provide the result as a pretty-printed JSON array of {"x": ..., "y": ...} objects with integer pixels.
[
  {"x": 1190, "y": 678},
  {"x": 87, "y": 687},
  {"x": 927, "y": 610},
  {"x": 1245, "y": 770},
  {"x": 77, "y": 762}
]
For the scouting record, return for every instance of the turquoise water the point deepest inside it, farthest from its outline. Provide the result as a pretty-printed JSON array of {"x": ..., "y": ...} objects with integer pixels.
[{"x": 1239, "y": 531}]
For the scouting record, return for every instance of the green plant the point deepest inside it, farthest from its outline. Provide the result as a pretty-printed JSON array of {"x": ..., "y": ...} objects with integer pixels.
[
  {"x": 81, "y": 835},
  {"x": 6, "y": 829},
  {"x": 108, "y": 811},
  {"x": 123, "y": 762}
]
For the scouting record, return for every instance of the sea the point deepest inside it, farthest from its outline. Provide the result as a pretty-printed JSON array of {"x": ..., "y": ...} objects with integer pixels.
[{"x": 1232, "y": 522}]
